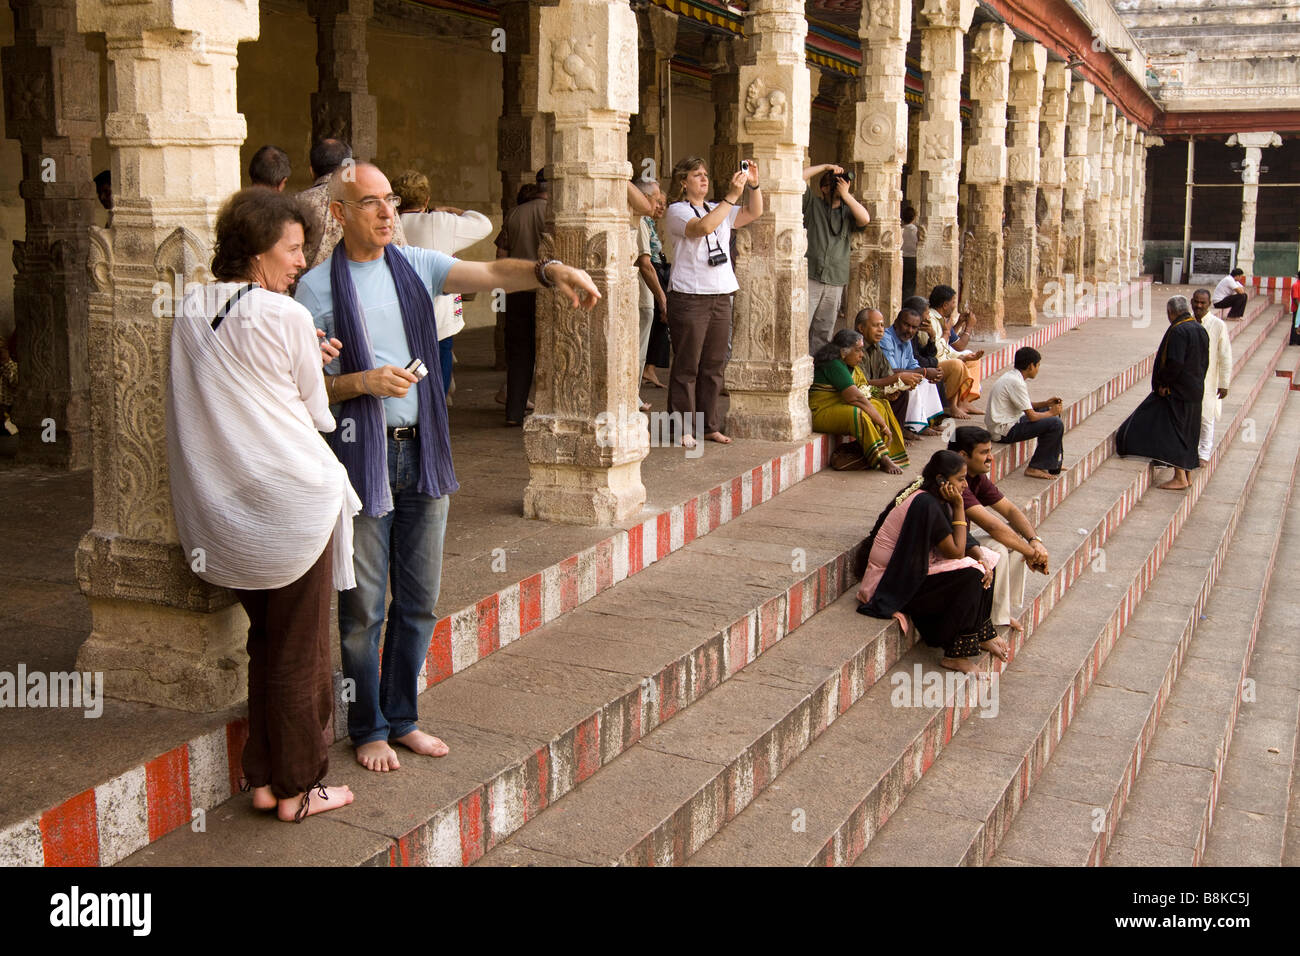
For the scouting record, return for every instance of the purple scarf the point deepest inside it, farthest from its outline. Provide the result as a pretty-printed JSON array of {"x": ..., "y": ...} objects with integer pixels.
[{"x": 366, "y": 455}]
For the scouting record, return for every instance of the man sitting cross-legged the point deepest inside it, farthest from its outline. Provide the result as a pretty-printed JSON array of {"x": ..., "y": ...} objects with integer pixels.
[
  {"x": 1012, "y": 417},
  {"x": 917, "y": 408},
  {"x": 1014, "y": 538},
  {"x": 886, "y": 383}
]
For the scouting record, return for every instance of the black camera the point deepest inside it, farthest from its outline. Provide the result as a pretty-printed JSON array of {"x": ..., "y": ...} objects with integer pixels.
[
  {"x": 845, "y": 177},
  {"x": 717, "y": 257}
]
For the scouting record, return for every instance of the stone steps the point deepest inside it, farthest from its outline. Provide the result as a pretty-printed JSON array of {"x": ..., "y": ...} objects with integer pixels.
[
  {"x": 850, "y": 780},
  {"x": 526, "y": 750},
  {"x": 1168, "y": 681},
  {"x": 116, "y": 815}
]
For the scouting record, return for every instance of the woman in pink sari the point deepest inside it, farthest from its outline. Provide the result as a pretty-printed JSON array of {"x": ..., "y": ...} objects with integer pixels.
[{"x": 917, "y": 562}]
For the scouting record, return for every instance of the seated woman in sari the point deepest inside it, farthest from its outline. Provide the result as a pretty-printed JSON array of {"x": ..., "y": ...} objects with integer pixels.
[
  {"x": 917, "y": 562},
  {"x": 842, "y": 404}
]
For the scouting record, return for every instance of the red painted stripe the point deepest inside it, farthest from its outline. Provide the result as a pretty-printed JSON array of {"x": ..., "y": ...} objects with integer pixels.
[
  {"x": 809, "y": 465},
  {"x": 690, "y": 517},
  {"x": 586, "y": 747},
  {"x": 737, "y": 646},
  {"x": 776, "y": 476},
  {"x": 568, "y": 584},
  {"x": 530, "y": 604},
  {"x": 756, "y": 487},
  {"x": 737, "y": 497},
  {"x": 663, "y": 535},
  {"x": 69, "y": 833},
  {"x": 794, "y": 606},
  {"x": 167, "y": 789},
  {"x": 635, "y": 555},
  {"x": 472, "y": 836},
  {"x": 489, "y": 631},
  {"x": 715, "y": 508},
  {"x": 438, "y": 660}
]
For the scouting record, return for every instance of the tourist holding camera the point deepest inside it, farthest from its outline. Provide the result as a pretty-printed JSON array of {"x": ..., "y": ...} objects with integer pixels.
[
  {"x": 830, "y": 216},
  {"x": 701, "y": 286}
]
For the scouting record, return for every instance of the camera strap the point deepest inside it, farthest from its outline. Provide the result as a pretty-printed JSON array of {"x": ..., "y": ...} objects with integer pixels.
[
  {"x": 710, "y": 238},
  {"x": 230, "y": 304}
]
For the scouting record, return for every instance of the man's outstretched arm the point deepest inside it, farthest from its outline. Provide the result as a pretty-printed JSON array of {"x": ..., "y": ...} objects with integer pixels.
[{"x": 520, "y": 275}]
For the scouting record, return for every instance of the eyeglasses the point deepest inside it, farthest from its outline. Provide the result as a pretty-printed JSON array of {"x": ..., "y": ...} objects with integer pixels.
[{"x": 372, "y": 204}]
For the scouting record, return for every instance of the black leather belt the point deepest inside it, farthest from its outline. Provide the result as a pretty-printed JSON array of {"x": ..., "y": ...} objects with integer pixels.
[{"x": 403, "y": 433}]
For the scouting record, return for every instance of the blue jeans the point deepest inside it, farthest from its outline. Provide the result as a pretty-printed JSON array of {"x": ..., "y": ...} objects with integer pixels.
[
  {"x": 444, "y": 363},
  {"x": 404, "y": 546}
]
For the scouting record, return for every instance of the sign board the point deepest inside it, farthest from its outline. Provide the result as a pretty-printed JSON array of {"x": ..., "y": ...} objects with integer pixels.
[{"x": 1211, "y": 261}]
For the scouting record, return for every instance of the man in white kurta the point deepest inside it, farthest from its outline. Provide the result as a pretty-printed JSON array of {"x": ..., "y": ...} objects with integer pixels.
[{"x": 1217, "y": 376}]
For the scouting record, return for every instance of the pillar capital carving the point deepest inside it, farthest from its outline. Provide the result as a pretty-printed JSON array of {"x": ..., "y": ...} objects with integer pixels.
[{"x": 954, "y": 14}]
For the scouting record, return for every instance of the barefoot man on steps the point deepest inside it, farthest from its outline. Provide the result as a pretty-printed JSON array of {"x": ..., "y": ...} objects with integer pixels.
[{"x": 377, "y": 300}]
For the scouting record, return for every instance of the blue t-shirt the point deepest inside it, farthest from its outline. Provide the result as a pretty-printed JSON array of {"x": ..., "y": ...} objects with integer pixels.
[
  {"x": 898, "y": 352},
  {"x": 377, "y": 295}
]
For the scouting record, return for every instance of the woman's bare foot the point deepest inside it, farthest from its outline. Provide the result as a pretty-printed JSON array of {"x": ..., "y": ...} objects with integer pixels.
[
  {"x": 423, "y": 743},
  {"x": 955, "y": 412},
  {"x": 1173, "y": 484},
  {"x": 901, "y": 618},
  {"x": 910, "y": 436},
  {"x": 378, "y": 756},
  {"x": 319, "y": 800},
  {"x": 688, "y": 442},
  {"x": 888, "y": 466},
  {"x": 967, "y": 665},
  {"x": 718, "y": 437},
  {"x": 643, "y": 407},
  {"x": 1015, "y": 625},
  {"x": 264, "y": 799},
  {"x": 996, "y": 646},
  {"x": 1037, "y": 473},
  {"x": 651, "y": 379}
]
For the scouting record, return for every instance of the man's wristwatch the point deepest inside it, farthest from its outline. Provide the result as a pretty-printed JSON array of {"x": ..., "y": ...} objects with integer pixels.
[{"x": 540, "y": 270}]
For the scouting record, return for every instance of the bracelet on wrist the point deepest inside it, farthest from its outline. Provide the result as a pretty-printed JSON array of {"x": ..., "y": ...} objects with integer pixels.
[
  {"x": 960, "y": 523},
  {"x": 539, "y": 269}
]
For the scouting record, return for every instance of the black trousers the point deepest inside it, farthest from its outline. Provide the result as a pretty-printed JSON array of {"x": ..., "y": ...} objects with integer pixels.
[
  {"x": 1235, "y": 304},
  {"x": 909, "y": 276},
  {"x": 1048, "y": 431},
  {"x": 521, "y": 351}
]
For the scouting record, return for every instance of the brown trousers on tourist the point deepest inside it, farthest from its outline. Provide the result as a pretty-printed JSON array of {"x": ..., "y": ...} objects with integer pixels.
[
  {"x": 290, "y": 681},
  {"x": 956, "y": 381},
  {"x": 699, "y": 326}
]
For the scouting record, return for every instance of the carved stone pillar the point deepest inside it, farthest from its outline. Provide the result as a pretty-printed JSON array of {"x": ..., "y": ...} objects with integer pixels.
[
  {"x": 1051, "y": 171},
  {"x": 1119, "y": 199},
  {"x": 721, "y": 55},
  {"x": 1078, "y": 174},
  {"x": 877, "y": 128},
  {"x": 1024, "y": 101},
  {"x": 159, "y": 634},
  {"x": 1254, "y": 144},
  {"x": 1104, "y": 265},
  {"x": 1141, "y": 143},
  {"x": 586, "y": 440},
  {"x": 52, "y": 109},
  {"x": 943, "y": 24},
  {"x": 1094, "y": 222},
  {"x": 342, "y": 107},
  {"x": 770, "y": 369},
  {"x": 1126, "y": 203},
  {"x": 646, "y": 139},
  {"x": 986, "y": 176}
]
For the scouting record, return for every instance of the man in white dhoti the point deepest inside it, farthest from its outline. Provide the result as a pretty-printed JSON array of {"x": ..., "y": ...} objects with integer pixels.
[
  {"x": 262, "y": 504},
  {"x": 1219, "y": 374}
]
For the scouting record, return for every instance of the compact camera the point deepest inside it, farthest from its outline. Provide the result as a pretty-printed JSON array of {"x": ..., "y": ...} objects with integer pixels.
[
  {"x": 717, "y": 257},
  {"x": 744, "y": 165},
  {"x": 418, "y": 369}
]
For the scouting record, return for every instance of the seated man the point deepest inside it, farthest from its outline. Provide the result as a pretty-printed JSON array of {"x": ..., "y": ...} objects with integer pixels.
[
  {"x": 885, "y": 383},
  {"x": 1230, "y": 294},
  {"x": 1014, "y": 538},
  {"x": 921, "y": 404},
  {"x": 960, "y": 366},
  {"x": 1012, "y": 417}
]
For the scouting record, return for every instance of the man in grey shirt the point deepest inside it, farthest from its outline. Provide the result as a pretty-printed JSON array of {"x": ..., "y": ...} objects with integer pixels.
[{"x": 831, "y": 215}]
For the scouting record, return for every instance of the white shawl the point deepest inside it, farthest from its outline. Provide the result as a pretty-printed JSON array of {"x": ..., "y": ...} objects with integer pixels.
[{"x": 256, "y": 491}]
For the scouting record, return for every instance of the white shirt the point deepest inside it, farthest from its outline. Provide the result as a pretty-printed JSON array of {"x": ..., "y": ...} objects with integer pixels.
[
  {"x": 1008, "y": 398},
  {"x": 691, "y": 270},
  {"x": 1226, "y": 287},
  {"x": 446, "y": 233},
  {"x": 1218, "y": 373},
  {"x": 909, "y": 239}
]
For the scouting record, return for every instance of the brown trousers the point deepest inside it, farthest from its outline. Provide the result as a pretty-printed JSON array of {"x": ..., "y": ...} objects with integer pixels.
[
  {"x": 699, "y": 326},
  {"x": 290, "y": 681}
]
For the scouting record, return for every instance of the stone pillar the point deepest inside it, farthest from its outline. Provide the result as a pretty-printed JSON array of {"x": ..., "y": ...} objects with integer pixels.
[
  {"x": 1142, "y": 142},
  {"x": 913, "y": 188},
  {"x": 1078, "y": 175},
  {"x": 1104, "y": 267},
  {"x": 1254, "y": 144},
  {"x": 1094, "y": 223},
  {"x": 770, "y": 369},
  {"x": 1051, "y": 171},
  {"x": 943, "y": 24},
  {"x": 1024, "y": 102},
  {"x": 586, "y": 440},
  {"x": 877, "y": 125},
  {"x": 721, "y": 55},
  {"x": 986, "y": 176},
  {"x": 342, "y": 107},
  {"x": 646, "y": 139},
  {"x": 53, "y": 111},
  {"x": 1119, "y": 198},
  {"x": 1127, "y": 195},
  {"x": 159, "y": 634}
]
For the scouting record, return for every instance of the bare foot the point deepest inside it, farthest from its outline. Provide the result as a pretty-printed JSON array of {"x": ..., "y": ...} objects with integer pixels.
[
  {"x": 1173, "y": 484},
  {"x": 1037, "y": 473},
  {"x": 378, "y": 756},
  {"x": 423, "y": 743},
  {"x": 888, "y": 466},
  {"x": 929, "y": 432},
  {"x": 319, "y": 800},
  {"x": 997, "y": 647},
  {"x": 901, "y": 618},
  {"x": 264, "y": 799},
  {"x": 1015, "y": 625},
  {"x": 972, "y": 410},
  {"x": 649, "y": 378},
  {"x": 688, "y": 441},
  {"x": 643, "y": 407},
  {"x": 1204, "y": 463},
  {"x": 718, "y": 437},
  {"x": 910, "y": 436},
  {"x": 967, "y": 665},
  {"x": 955, "y": 412}
]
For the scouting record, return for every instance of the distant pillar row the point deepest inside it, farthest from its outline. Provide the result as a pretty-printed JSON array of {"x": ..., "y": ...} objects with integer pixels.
[
  {"x": 1051, "y": 171},
  {"x": 1078, "y": 179},
  {"x": 1024, "y": 167}
]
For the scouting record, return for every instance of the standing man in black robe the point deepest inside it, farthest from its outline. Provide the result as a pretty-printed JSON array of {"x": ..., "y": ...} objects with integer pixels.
[{"x": 1166, "y": 427}]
